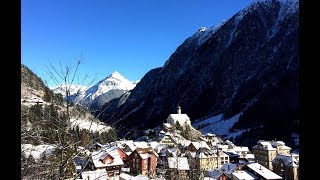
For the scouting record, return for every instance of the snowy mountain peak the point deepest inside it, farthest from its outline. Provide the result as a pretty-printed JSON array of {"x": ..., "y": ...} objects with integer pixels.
[
  {"x": 113, "y": 86},
  {"x": 202, "y": 29},
  {"x": 116, "y": 75}
]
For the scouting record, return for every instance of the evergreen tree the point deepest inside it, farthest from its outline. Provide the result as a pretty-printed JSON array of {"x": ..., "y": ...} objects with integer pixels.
[{"x": 178, "y": 126}]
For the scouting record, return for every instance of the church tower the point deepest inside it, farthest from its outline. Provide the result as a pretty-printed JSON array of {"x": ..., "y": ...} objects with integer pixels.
[{"x": 179, "y": 110}]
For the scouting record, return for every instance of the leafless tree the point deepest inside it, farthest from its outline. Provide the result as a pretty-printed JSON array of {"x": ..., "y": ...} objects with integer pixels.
[{"x": 56, "y": 121}]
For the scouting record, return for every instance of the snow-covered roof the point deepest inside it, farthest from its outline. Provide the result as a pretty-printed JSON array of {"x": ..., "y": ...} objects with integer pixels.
[
  {"x": 200, "y": 144},
  {"x": 167, "y": 125},
  {"x": 275, "y": 143},
  {"x": 230, "y": 143},
  {"x": 178, "y": 117},
  {"x": 97, "y": 156},
  {"x": 266, "y": 145},
  {"x": 249, "y": 156},
  {"x": 222, "y": 146},
  {"x": 244, "y": 175},
  {"x": 205, "y": 153},
  {"x": 141, "y": 144},
  {"x": 180, "y": 163},
  {"x": 192, "y": 154},
  {"x": 280, "y": 143},
  {"x": 262, "y": 171},
  {"x": 284, "y": 147},
  {"x": 228, "y": 168},
  {"x": 148, "y": 151},
  {"x": 241, "y": 149},
  {"x": 291, "y": 160},
  {"x": 210, "y": 134},
  {"x": 144, "y": 156},
  {"x": 153, "y": 144}
]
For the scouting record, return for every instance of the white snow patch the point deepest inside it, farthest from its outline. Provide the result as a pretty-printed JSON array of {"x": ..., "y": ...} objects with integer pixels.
[
  {"x": 97, "y": 174},
  {"x": 36, "y": 151},
  {"x": 204, "y": 33},
  {"x": 89, "y": 125},
  {"x": 217, "y": 124},
  {"x": 33, "y": 100}
]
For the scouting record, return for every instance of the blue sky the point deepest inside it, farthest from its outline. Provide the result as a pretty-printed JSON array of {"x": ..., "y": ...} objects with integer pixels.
[{"x": 131, "y": 37}]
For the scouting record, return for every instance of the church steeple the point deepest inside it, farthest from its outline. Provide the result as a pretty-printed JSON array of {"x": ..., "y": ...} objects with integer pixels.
[{"x": 179, "y": 110}]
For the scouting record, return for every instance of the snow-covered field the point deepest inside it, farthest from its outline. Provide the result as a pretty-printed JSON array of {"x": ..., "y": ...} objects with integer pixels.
[
  {"x": 89, "y": 125},
  {"x": 33, "y": 100}
]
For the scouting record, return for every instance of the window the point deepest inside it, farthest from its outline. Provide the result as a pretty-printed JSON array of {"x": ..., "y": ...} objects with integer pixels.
[
  {"x": 135, "y": 155},
  {"x": 137, "y": 160}
]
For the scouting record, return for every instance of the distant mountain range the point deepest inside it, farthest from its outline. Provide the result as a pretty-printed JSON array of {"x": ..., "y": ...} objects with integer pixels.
[
  {"x": 113, "y": 86},
  {"x": 243, "y": 70}
]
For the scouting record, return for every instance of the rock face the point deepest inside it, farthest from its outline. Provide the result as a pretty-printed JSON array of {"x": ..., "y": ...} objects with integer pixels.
[
  {"x": 246, "y": 64},
  {"x": 32, "y": 86}
]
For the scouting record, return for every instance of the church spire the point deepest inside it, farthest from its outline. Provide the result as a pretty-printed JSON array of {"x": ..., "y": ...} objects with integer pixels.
[{"x": 179, "y": 109}]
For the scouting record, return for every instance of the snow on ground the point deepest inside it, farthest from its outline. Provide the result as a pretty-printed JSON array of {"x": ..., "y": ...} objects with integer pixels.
[
  {"x": 217, "y": 124},
  {"x": 33, "y": 100},
  {"x": 89, "y": 125},
  {"x": 130, "y": 177},
  {"x": 36, "y": 151},
  {"x": 98, "y": 174},
  {"x": 237, "y": 133},
  {"x": 210, "y": 120}
]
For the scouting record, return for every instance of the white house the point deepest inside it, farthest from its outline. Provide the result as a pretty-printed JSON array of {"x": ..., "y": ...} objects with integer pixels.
[{"x": 183, "y": 119}]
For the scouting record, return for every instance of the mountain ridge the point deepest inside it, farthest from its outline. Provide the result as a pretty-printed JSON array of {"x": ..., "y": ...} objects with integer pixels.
[{"x": 249, "y": 60}]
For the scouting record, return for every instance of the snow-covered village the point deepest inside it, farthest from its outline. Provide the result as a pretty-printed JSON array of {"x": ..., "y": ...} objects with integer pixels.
[
  {"x": 128, "y": 90},
  {"x": 178, "y": 151}
]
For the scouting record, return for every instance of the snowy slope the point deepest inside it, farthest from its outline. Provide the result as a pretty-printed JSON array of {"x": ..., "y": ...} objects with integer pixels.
[
  {"x": 89, "y": 125},
  {"x": 217, "y": 124}
]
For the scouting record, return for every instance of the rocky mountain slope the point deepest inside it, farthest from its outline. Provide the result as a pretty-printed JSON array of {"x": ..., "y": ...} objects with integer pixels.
[
  {"x": 246, "y": 66},
  {"x": 37, "y": 108}
]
